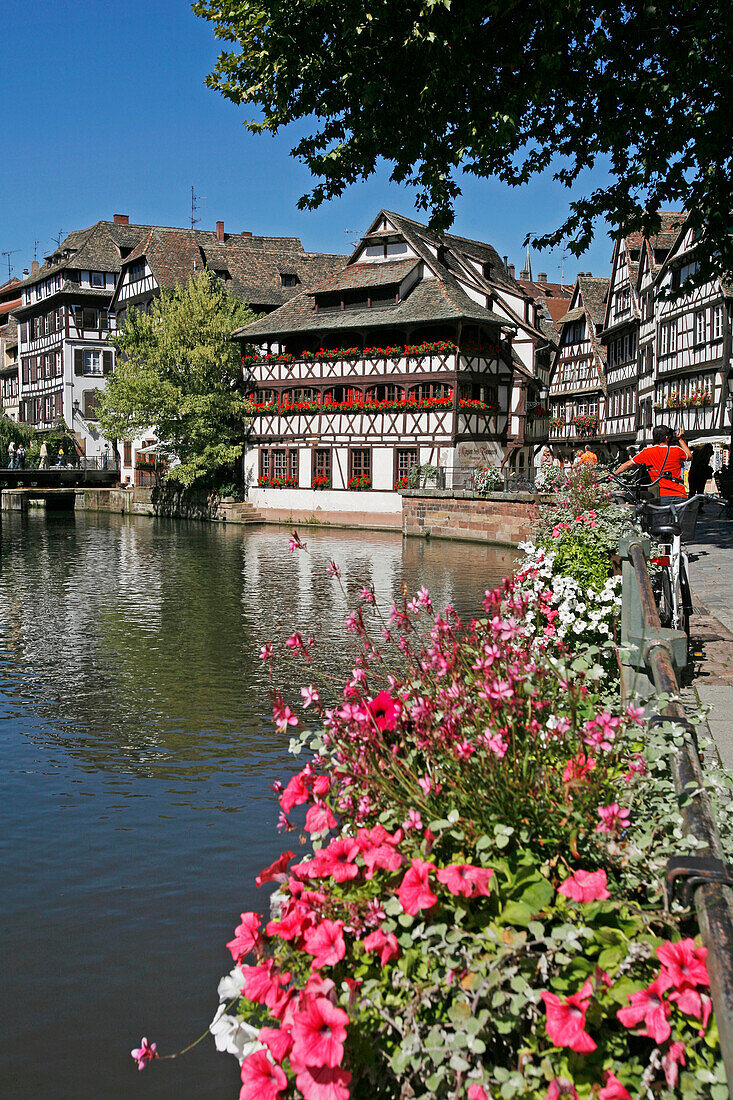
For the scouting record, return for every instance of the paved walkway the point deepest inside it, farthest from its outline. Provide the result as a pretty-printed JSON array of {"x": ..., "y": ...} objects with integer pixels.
[{"x": 711, "y": 576}]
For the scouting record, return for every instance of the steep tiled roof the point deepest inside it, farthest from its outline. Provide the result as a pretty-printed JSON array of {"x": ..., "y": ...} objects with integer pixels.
[
  {"x": 429, "y": 301},
  {"x": 595, "y": 292},
  {"x": 255, "y": 264},
  {"x": 671, "y": 222},
  {"x": 366, "y": 275}
]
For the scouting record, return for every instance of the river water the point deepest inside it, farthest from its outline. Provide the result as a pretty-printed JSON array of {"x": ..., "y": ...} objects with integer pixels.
[{"x": 136, "y": 750}]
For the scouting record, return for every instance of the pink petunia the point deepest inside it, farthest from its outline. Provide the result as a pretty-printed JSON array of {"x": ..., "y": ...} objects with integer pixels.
[
  {"x": 684, "y": 963},
  {"x": 476, "y": 1092},
  {"x": 261, "y": 1080},
  {"x": 384, "y": 711},
  {"x": 319, "y": 1033},
  {"x": 337, "y": 860},
  {"x": 414, "y": 891},
  {"x": 321, "y": 1083},
  {"x": 277, "y": 1040},
  {"x": 464, "y": 880},
  {"x": 325, "y": 942},
  {"x": 319, "y": 818},
  {"x": 672, "y": 1059},
  {"x": 261, "y": 985},
  {"x": 379, "y": 849},
  {"x": 145, "y": 1053},
  {"x": 246, "y": 936},
  {"x": 585, "y": 886},
  {"x": 566, "y": 1019},
  {"x": 560, "y": 1088},
  {"x": 276, "y": 872},
  {"x": 385, "y": 943},
  {"x": 649, "y": 1005},
  {"x": 693, "y": 1003},
  {"x": 612, "y": 1088},
  {"x": 295, "y": 793}
]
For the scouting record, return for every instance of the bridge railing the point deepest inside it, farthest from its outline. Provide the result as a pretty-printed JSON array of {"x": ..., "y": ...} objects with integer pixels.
[
  {"x": 657, "y": 656},
  {"x": 72, "y": 462}
]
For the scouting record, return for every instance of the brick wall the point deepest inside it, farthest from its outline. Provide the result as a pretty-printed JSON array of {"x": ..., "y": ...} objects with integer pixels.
[{"x": 504, "y": 518}]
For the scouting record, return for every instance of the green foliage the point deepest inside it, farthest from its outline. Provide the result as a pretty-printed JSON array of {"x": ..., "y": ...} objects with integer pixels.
[
  {"x": 178, "y": 372},
  {"x": 439, "y": 88},
  {"x": 19, "y": 433}
]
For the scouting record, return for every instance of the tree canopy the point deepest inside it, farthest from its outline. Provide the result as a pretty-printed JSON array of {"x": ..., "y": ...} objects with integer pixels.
[
  {"x": 178, "y": 373},
  {"x": 500, "y": 89}
]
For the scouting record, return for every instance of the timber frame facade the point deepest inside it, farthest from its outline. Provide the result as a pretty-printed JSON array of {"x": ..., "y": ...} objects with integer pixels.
[{"x": 422, "y": 350}]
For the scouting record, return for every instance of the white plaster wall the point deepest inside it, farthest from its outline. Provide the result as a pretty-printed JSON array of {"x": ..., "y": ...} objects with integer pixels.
[
  {"x": 326, "y": 500},
  {"x": 382, "y": 468}
]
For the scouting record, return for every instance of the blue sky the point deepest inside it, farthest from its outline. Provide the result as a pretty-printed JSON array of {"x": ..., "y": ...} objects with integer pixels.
[{"x": 106, "y": 112}]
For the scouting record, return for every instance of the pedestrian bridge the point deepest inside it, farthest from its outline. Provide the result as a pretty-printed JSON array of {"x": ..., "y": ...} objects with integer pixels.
[{"x": 67, "y": 477}]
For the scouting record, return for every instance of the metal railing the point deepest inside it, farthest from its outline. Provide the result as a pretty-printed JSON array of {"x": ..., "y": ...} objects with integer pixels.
[
  {"x": 657, "y": 656},
  {"x": 72, "y": 462}
]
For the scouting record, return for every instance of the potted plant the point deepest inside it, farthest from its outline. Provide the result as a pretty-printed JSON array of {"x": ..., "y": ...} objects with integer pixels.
[
  {"x": 487, "y": 479},
  {"x": 361, "y": 482},
  {"x": 321, "y": 481}
]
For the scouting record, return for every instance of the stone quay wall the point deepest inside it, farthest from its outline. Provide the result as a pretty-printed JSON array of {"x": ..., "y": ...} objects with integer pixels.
[{"x": 502, "y": 518}]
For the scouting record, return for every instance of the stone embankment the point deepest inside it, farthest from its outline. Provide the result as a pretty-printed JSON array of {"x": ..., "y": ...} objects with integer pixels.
[
  {"x": 181, "y": 505},
  {"x": 502, "y": 518}
]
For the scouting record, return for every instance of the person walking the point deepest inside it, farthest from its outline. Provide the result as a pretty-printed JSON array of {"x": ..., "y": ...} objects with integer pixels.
[
  {"x": 43, "y": 456},
  {"x": 700, "y": 469},
  {"x": 11, "y": 454},
  {"x": 61, "y": 464},
  {"x": 664, "y": 461},
  {"x": 20, "y": 457}
]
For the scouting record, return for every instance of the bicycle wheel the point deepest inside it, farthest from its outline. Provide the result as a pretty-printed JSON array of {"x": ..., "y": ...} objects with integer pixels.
[
  {"x": 686, "y": 600},
  {"x": 662, "y": 587}
]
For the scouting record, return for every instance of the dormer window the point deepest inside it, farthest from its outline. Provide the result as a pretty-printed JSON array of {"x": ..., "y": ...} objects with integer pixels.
[
  {"x": 96, "y": 278},
  {"x": 223, "y": 274},
  {"x": 288, "y": 278}
]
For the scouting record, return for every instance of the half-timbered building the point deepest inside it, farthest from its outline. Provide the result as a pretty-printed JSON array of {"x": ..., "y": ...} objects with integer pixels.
[
  {"x": 625, "y": 304},
  {"x": 10, "y": 299},
  {"x": 578, "y": 384},
  {"x": 421, "y": 351},
  {"x": 693, "y": 364}
]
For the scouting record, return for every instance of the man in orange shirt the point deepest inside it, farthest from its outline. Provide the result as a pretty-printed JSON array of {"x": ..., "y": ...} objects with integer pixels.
[{"x": 665, "y": 458}]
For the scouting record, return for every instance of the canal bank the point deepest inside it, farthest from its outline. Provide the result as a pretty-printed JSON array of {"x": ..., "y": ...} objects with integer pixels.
[{"x": 501, "y": 519}]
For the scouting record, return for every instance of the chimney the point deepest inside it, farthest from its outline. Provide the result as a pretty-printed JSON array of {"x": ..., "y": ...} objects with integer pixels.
[
  {"x": 121, "y": 219},
  {"x": 35, "y": 267},
  {"x": 25, "y": 272},
  {"x": 245, "y": 233},
  {"x": 510, "y": 269},
  {"x": 542, "y": 277},
  {"x": 220, "y": 231}
]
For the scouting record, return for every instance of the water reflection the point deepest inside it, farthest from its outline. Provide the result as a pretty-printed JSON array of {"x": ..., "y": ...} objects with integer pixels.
[{"x": 136, "y": 753}]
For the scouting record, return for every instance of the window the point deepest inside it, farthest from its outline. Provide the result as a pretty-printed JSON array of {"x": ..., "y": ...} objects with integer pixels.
[
  {"x": 137, "y": 271},
  {"x": 279, "y": 463},
  {"x": 96, "y": 278},
  {"x": 717, "y": 322},
  {"x": 288, "y": 279},
  {"x": 681, "y": 274},
  {"x": 387, "y": 392},
  {"x": 127, "y": 452},
  {"x": 264, "y": 463},
  {"x": 700, "y": 326},
  {"x": 321, "y": 464},
  {"x": 360, "y": 462},
  {"x": 430, "y": 390},
  {"x": 405, "y": 459}
]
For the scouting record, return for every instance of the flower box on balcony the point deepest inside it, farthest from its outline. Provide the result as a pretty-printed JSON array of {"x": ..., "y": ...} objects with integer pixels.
[
  {"x": 320, "y": 481},
  {"x": 358, "y": 483}
]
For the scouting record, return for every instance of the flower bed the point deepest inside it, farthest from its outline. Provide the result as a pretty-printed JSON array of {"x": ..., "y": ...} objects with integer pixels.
[
  {"x": 358, "y": 405},
  {"x": 400, "y": 351}
]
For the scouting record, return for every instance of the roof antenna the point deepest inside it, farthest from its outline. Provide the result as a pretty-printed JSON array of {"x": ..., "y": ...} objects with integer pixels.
[
  {"x": 195, "y": 200},
  {"x": 58, "y": 239},
  {"x": 355, "y": 233},
  {"x": 9, "y": 253}
]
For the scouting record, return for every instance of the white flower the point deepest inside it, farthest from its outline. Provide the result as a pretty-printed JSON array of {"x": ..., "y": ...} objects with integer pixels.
[
  {"x": 234, "y": 1036},
  {"x": 231, "y": 985}
]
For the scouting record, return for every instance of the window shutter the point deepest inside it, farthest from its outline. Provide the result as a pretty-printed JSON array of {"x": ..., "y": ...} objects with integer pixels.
[
  {"x": 78, "y": 361},
  {"x": 106, "y": 362}
]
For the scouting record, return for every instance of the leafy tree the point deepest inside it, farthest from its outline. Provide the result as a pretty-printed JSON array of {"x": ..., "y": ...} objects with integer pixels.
[
  {"x": 500, "y": 89},
  {"x": 178, "y": 373}
]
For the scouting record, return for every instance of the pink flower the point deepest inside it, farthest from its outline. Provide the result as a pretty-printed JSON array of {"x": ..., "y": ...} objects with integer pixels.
[
  {"x": 261, "y": 1080},
  {"x": 326, "y": 943},
  {"x": 414, "y": 891},
  {"x": 319, "y": 818},
  {"x": 476, "y": 1092},
  {"x": 672, "y": 1059},
  {"x": 496, "y": 744},
  {"x": 684, "y": 963},
  {"x": 465, "y": 880},
  {"x": 613, "y": 1089},
  {"x": 295, "y": 641},
  {"x": 144, "y": 1053},
  {"x": 337, "y": 860},
  {"x": 276, "y": 872},
  {"x": 561, "y": 1087},
  {"x": 648, "y": 1005},
  {"x": 385, "y": 943},
  {"x": 321, "y": 1083},
  {"x": 266, "y": 652},
  {"x": 427, "y": 785},
  {"x": 296, "y": 544},
  {"x": 283, "y": 717},
  {"x": 692, "y": 1003},
  {"x": 295, "y": 793},
  {"x": 585, "y": 886},
  {"x": 246, "y": 936},
  {"x": 500, "y": 691},
  {"x": 384, "y": 711},
  {"x": 367, "y": 594},
  {"x": 414, "y": 821},
  {"x": 634, "y": 713},
  {"x": 277, "y": 1041},
  {"x": 319, "y": 1033},
  {"x": 261, "y": 985},
  {"x": 379, "y": 849},
  {"x": 577, "y": 768},
  {"x": 612, "y": 818},
  {"x": 333, "y": 569},
  {"x": 566, "y": 1019}
]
